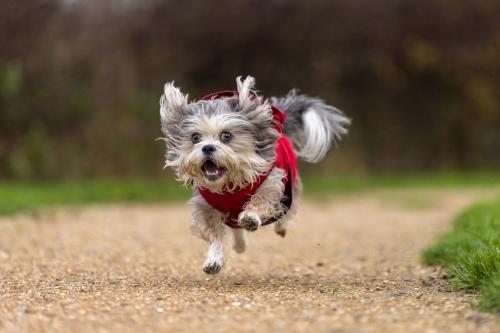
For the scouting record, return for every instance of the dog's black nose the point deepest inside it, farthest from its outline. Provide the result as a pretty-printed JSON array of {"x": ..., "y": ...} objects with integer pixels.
[{"x": 208, "y": 149}]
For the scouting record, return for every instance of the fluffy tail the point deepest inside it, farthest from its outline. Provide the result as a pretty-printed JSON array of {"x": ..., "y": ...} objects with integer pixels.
[{"x": 311, "y": 124}]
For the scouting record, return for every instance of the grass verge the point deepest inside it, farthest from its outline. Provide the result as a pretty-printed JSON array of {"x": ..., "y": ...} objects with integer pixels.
[
  {"x": 471, "y": 253},
  {"x": 17, "y": 197},
  {"x": 314, "y": 184}
]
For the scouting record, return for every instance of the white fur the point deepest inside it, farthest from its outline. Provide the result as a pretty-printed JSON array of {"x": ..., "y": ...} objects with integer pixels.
[
  {"x": 215, "y": 255},
  {"x": 171, "y": 100},
  {"x": 317, "y": 137},
  {"x": 249, "y": 220},
  {"x": 245, "y": 90},
  {"x": 266, "y": 202},
  {"x": 208, "y": 223},
  {"x": 239, "y": 158},
  {"x": 242, "y": 164}
]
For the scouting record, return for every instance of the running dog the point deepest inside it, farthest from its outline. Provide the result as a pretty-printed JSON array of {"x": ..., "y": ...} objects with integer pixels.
[{"x": 237, "y": 150}]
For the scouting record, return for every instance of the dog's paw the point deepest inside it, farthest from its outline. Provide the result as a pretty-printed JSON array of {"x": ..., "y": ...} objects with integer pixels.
[
  {"x": 212, "y": 267},
  {"x": 249, "y": 221},
  {"x": 280, "y": 229},
  {"x": 280, "y": 232}
]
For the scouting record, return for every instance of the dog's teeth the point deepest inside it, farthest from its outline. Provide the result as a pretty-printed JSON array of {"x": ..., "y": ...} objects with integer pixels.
[{"x": 214, "y": 172}]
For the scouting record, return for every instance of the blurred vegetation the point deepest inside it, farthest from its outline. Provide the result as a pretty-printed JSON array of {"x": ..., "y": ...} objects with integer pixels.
[
  {"x": 29, "y": 197},
  {"x": 471, "y": 252},
  {"x": 80, "y": 80},
  {"x": 320, "y": 185}
]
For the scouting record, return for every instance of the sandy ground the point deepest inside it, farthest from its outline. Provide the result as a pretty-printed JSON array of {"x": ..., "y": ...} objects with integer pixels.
[{"x": 349, "y": 264}]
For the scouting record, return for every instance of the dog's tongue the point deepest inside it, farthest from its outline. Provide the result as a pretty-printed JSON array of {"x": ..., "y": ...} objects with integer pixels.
[{"x": 210, "y": 167}]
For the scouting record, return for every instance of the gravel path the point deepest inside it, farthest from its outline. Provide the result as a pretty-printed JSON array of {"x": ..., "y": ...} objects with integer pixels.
[{"x": 349, "y": 264}]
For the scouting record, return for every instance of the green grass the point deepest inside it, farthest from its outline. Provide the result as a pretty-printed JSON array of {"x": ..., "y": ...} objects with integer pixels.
[
  {"x": 334, "y": 289},
  {"x": 357, "y": 183},
  {"x": 17, "y": 197},
  {"x": 471, "y": 253}
]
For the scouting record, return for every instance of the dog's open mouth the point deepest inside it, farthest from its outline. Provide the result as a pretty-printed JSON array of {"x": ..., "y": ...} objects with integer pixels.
[{"x": 211, "y": 171}]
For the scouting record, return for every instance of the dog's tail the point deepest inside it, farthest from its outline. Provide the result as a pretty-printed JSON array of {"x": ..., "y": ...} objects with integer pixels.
[{"x": 311, "y": 124}]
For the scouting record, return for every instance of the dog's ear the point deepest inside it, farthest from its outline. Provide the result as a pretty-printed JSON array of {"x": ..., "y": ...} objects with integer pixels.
[
  {"x": 172, "y": 101},
  {"x": 246, "y": 94},
  {"x": 258, "y": 112},
  {"x": 173, "y": 107}
]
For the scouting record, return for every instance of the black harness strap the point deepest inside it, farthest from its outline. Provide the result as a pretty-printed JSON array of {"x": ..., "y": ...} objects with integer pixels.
[{"x": 286, "y": 201}]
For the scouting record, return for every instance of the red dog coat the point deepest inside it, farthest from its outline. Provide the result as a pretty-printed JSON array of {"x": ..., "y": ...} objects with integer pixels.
[{"x": 232, "y": 203}]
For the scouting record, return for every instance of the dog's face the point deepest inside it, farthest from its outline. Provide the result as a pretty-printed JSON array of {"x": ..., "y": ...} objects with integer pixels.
[{"x": 220, "y": 144}]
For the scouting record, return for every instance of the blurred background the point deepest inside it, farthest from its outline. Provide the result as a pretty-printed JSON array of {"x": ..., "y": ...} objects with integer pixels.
[{"x": 80, "y": 80}]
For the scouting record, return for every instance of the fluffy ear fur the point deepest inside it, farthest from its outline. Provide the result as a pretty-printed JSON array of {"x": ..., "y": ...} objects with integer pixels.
[
  {"x": 245, "y": 91},
  {"x": 257, "y": 112},
  {"x": 172, "y": 107},
  {"x": 171, "y": 101}
]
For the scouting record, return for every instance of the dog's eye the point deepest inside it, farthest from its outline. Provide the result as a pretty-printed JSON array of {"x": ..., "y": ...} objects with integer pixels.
[
  {"x": 196, "y": 137},
  {"x": 225, "y": 136}
]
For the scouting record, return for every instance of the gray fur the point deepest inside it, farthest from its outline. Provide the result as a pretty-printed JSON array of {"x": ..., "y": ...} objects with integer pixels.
[
  {"x": 249, "y": 120},
  {"x": 254, "y": 119},
  {"x": 296, "y": 105},
  {"x": 311, "y": 124}
]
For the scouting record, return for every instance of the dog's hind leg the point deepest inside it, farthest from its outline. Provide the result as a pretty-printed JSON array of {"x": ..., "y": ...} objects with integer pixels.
[
  {"x": 281, "y": 226},
  {"x": 239, "y": 240},
  {"x": 208, "y": 223}
]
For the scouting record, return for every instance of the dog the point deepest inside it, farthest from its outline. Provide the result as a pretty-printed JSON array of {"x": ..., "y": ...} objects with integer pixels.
[{"x": 238, "y": 151}]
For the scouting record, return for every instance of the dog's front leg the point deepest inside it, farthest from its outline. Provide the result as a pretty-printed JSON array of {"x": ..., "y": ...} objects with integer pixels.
[
  {"x": 215, "y": 257},
  {"x": 208, "y": 223},
  {"x": 265, "y": 203}
]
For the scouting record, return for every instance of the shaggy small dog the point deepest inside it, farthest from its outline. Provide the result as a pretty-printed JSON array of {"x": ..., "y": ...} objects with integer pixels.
[{"x": 237, "y": 150}]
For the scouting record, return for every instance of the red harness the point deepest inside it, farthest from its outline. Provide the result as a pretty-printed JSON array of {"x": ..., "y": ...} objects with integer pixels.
[{"x": 232, "y": 203}]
